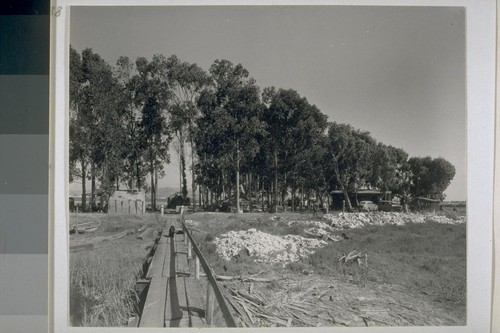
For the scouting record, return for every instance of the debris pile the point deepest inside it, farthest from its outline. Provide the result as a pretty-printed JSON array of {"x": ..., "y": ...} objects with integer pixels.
[
  {"x": 317, "y": 229},
  {"x": 322, "y": 301},
  {"x": 266, "y": 247},
  {"x": 359, "y": 220}
]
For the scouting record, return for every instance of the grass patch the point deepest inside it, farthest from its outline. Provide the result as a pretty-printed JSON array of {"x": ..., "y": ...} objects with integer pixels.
[
  {"x": 103, "y": 280},
  {"x": 426, "y": 257},
  {"x": 102, "y": 283}
]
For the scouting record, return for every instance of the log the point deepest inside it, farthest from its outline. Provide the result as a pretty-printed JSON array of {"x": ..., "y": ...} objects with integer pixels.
[
  {"x": 145, "y": 233},
  {"x": 122, "y": 234},
  {"x": 241, "y": 278},
  {"x": 237, "y": 307},
  {"x": 86, "y": 246},
  {"x": 248, "y": 312},
  {"x": 272, "y": 319},
  {"x": 250, "y": 297}
]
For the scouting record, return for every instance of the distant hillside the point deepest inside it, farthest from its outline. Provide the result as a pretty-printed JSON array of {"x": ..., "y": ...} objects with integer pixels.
[{"x": 166, "y": 191}]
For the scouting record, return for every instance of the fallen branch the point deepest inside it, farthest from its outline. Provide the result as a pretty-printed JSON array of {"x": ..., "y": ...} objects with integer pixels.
[
  {"x": 272, "y": 319},
  {"x": 354, "y": 256},
  {"x": 122, "y": 234},
  {"x": 242, "y": 278},
  {"x": 247, "y": 312},
  {"x": 145, "y": 233}
]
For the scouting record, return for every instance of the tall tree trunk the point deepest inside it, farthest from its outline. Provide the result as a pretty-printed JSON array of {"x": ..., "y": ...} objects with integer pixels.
[
  {"x": 92, "y": 185},
  {"x": 138, "y": 174},
  {"x": 342, "y": 186},
  {"x": 302, "y": 197},
  {"x": 156, "y": 182},
  {"x": 84, "y": 183},
  {"x": 275, "y": 179},
  {"x": 193, "y": 183},
  {"x": 237, "y": 177},
  {"x": 183, "y": 165},
  {"x": 153, "y": 190},
  {"x": 293, "y": 197},
  {"x": 285, "y": 191}
]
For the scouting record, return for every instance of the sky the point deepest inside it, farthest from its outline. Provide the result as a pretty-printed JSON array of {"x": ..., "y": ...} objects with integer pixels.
[{"x": 397, "y": 72}]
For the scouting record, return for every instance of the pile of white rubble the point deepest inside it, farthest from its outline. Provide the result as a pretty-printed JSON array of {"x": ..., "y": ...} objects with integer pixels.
[
  {"x": 359, "y": 220},
  {"x": 266, "y": 247}
]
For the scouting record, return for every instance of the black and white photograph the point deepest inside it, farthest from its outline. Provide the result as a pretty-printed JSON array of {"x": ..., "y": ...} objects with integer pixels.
[{"x": 267, "y": 166}]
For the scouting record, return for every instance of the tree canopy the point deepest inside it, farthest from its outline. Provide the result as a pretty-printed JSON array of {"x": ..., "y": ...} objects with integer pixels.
[{"x": 267, "y": 147}]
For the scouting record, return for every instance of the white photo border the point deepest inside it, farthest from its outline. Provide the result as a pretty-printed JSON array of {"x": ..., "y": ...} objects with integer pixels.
[{"x": 480, "y": 68}]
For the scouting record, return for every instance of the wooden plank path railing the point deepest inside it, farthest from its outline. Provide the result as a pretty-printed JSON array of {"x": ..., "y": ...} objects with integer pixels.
[
  {"x": 213, "y": 287},
  {"x": 167, "y": 303}
]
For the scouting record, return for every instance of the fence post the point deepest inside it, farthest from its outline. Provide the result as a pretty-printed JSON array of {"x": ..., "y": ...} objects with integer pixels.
[
  {"x": 189, "y": 249},
  {"x": 185, "y": 233},
  {"x": 162, "y": 210},
  {"x": 197, "y": 267},
  {"x": 209, "y": 311}
]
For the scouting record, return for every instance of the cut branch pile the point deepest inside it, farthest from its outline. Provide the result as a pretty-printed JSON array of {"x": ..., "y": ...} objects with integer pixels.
[
  {"x": 354, "y": 256},
  {"x": 242, "y": 278},
  {"x": 315, "y": 301},
  {"x": 285, "y": 309}
]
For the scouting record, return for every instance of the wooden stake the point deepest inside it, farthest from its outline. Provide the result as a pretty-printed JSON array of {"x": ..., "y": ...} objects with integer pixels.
[
  {"x": 209, "y": 311},
  {"x": 189, "y": 249},
  {"x": 197, "y": 267}
]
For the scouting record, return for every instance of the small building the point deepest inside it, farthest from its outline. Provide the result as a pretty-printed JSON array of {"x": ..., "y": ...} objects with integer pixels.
[
  {"x": 372, "y": 195},
  {"x": 127, "y": 202}
]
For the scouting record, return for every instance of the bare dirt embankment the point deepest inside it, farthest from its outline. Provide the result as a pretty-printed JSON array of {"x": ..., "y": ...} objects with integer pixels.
[{"x": 411, "y": 267}]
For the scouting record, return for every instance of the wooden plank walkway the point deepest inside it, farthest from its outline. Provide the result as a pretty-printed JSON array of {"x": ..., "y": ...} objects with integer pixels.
[{"x": 168, "y": 302}]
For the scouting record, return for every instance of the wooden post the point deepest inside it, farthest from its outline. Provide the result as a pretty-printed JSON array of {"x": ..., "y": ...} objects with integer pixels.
[
  {"x": 209, "y": 311},
  {"x": 116, "y": 206},
  {"x": 76, "y": 233},
  {"x": 189, "y": 249},
  {"x": 129, "y": 206},
  {"x": 197, "y": 267},
  {"x": 162, "y": 210}
]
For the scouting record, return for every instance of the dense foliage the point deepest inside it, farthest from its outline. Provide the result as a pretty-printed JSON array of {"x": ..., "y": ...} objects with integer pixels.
[{"x": 268, "y": 148}]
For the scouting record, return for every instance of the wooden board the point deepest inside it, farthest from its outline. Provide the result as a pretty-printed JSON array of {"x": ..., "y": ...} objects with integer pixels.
[
  {"x": 154, "y": 307},
  {"x": 195, "y": 298},
  {"x": 182, "y": 264},
  {"x": 156, "y": 267},
  {"x": 153, "y": 314},
  {"x": 176, "y": 311}
]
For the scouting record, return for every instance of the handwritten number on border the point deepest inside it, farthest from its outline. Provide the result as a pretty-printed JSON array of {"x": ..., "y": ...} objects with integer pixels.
[{"x": 56, "y": 11}]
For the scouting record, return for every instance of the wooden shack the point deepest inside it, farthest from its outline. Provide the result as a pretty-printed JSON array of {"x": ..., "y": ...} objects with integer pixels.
[{"x": 127, "y": 202}]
